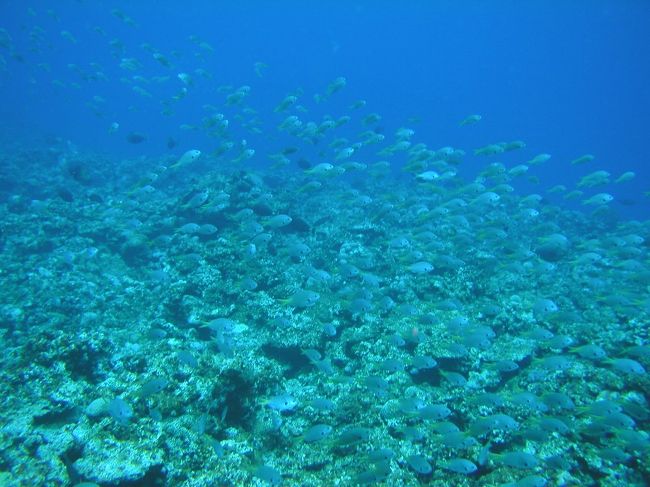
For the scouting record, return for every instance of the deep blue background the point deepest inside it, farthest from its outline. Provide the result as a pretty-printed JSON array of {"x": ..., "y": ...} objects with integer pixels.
[{"x": 567, "y": 77}]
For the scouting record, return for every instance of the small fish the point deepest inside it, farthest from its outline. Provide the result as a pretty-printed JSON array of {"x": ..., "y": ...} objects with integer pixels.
[
  {"x": 458, "y": 440},
  {"x": 302, "y": 299},
  {"x": 427, "y": 176},
  {"x": 539, "y": 159},
  {"x": 392, "y": 365},
  {"x": 460, "y": 465},
  {"x": 130, "y": 64},
  {"x": 207, "y": 229},
  {"x": 558, "y": 401},
  {"x": 377, "y": 385},
  {"x": 322, "y": 169},
  {"x": 190, "y": 228},
  {"x": 68, "y": 36},
  {"x": 120, "y": 411},
  {"x": 380, "y": 455},
  {"x": 371, "y": 119},
  {"x": 470, "y": 120},
  {"x": 278, "y": 221},
  {"x": 188, "y": 157},
  {"x": 489, "y": 198},
  {"x": 282, "y": 403},
  {"x": 221, "y": 325},
  {"x": 518, "y": 170},
  {"x": 516, "y": 459},
  {"x": 626, "y": 176},
  {"x": 185, "y": 78},
  {"x": 353, "y": 436},
  {"x": 544, "y": 307},
  {"x": 421, "y": 267},
  {"x": 505, "y": 366},
  {"x": 488, "y": 424},
  {"x": 422, "y": 362},
  {"x": 344, "y": 153},
  {"x": 419, "y": 464},
  {"x": 572, "y": 195},
  {"x": 317, "y": 433},
  {"x": 455, "y": 379},
  {"x": 434, "y": 412},
  {"x": 259, "y": 68},
  {"x": 596, "y": 178},
  {"x": 248, "y": 284},
  {"x": 322, "y": 404},
  {"x": 583, "y": 159},
  {"x": 336, "y": 85},
  {"x": 488, "y": 150},
  {"x": 136, "y": 138},
  {"x": 198, "y": 199},
  {"x": 268, "y": 474},
  {"x": 187, "y": 358},
  {"x": 627, "y": 366},
  {"x": 154, "y": 386},
  {"x": 310, "y": 186},
  {"x": 558, "y": 188},
  {"x": 286, "y": 103},
  {"x": 162, "y": 59},
  {"x": 590, "y": 352},
  {"x": 598, "y": 199}
]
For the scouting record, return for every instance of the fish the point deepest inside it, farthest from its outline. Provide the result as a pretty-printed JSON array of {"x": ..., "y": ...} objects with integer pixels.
[
  {"x": 259, "y": 68},
  {"x": 598, "y": 199},
  {"x": 321, "y": 169},
  {"x": 421, "y": 267},
  {"x": 317, "y": 433},
  {"x": 268, "y": 474},
  {"x": 470, "y": 120},
  {"x": 625, "y": 177},
  {"x": 153, "y": 386},
  {"x": 68, "y": 36},
  {"x": 419, "y": 464},
  {"x": 460, "y": 465},
  {"x": 278, "y": 221},
  {"x": 584, "y": 159},
  {"x": 302, "y": 299},
  {"x": 162, "y": 59},
  {"x": 428, "y": 176},
  {"x": 136, "y": 138},
  {"x": 288, "y": 101},
  {"x": 596, "y": 178},
  {"x": 539, "y": 159},
  {"x": 282, "y": 403},
  {"x": 120, "y": 411},
  {"x": 516, "y": 459},
  {"x": 336, "y": 85},
  {"x": 187, "y": 158}
]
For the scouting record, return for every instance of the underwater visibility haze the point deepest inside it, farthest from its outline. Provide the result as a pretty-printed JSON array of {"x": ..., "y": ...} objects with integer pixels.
[{"x": 324, "y": 243}]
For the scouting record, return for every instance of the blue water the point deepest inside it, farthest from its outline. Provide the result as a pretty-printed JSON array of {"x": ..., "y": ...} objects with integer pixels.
[{"x": 568, "y": 78}]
